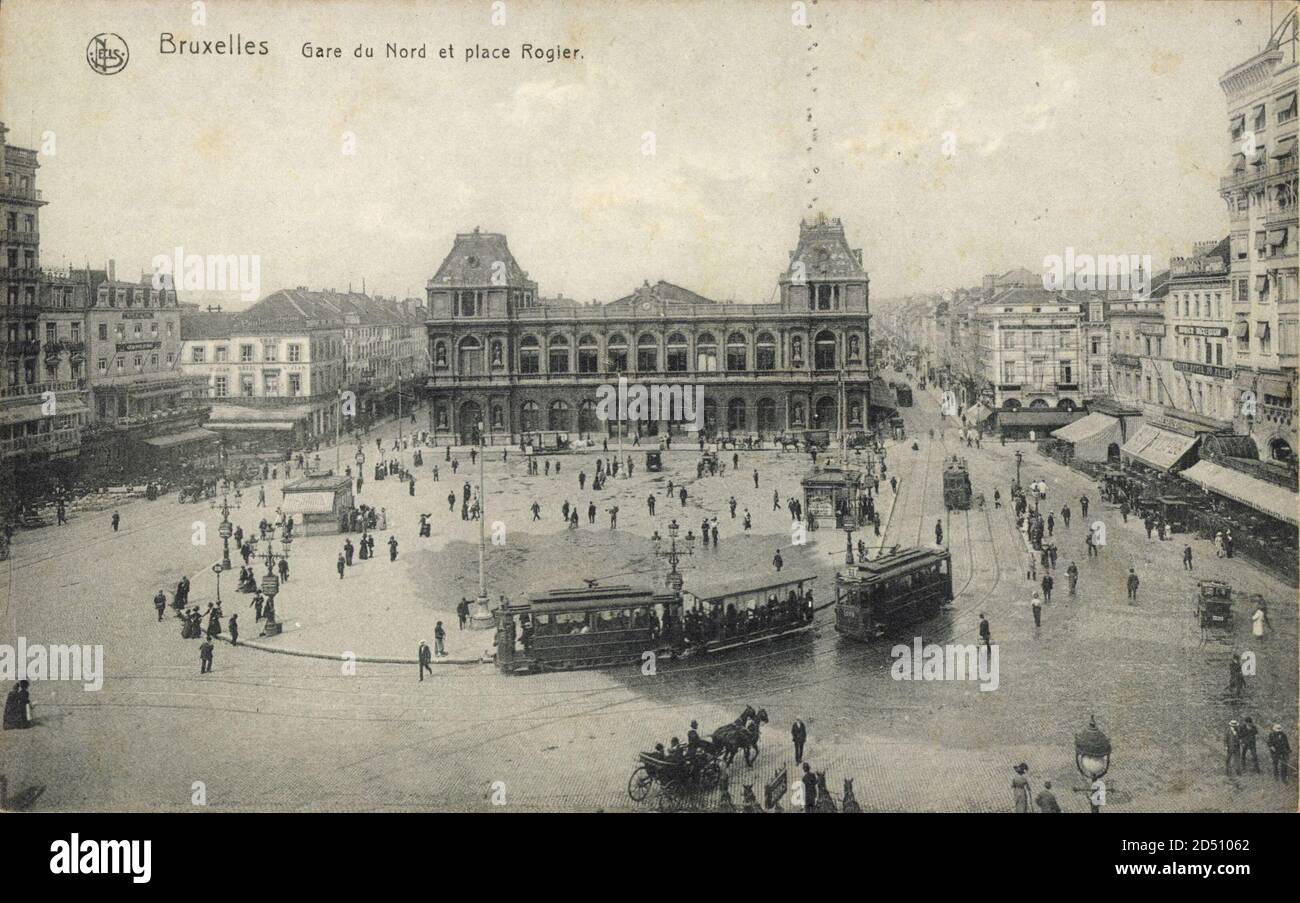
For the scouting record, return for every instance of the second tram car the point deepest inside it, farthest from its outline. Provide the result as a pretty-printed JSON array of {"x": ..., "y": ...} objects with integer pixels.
[
  {"x": 956, "y": 485},
  {"x": 879, "y": 595}
]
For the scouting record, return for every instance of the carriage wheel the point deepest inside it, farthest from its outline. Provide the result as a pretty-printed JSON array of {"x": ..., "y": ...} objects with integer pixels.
[
  {"x": 669, "y": 800},
  {"x": 640, "y": 784},
  {"x": 710, "y": 774}
]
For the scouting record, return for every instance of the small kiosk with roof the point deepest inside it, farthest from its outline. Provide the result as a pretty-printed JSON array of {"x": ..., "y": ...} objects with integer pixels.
[{"x": 318, "y": 500}]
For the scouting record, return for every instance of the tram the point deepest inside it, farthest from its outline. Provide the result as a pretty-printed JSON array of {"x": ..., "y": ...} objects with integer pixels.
[
  {"x": 904, "y": 393},
  {"x": 956, "y": 485},
  {"x": 608, "y": 626},
  {"x": 877, "y": 596}
]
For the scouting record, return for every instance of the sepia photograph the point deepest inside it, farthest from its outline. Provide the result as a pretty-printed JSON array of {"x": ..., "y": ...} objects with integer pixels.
[{"x": 625, "y": 371}]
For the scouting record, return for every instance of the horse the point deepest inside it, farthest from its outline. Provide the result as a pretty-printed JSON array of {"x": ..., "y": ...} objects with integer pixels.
[
  {"x": 739, "y": 736},
  {"x": 850, "y": 801}
]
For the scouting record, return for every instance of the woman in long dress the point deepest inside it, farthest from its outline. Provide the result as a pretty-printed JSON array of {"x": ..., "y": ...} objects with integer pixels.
[{"x": 1020, "y": 788}]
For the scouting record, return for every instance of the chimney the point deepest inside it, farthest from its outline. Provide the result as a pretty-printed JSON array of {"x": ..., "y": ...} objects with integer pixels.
[{"x": 112, "y": 270}]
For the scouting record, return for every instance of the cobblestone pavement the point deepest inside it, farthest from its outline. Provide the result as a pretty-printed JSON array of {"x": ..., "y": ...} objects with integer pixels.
[{"x": 267, "y": 731}]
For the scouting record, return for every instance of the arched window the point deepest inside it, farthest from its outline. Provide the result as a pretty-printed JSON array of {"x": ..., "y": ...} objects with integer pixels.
[
  {"x": 1038, "y": 404},
  {"x": 824, "y": 351},
  {"x": 824, "y": 415},
  {"x": 1280, "y": 450},
  {"x": 587, "y": 422},
  {"x": 616, "y": 354},
  {"x": 737, "y": 352},
  {"x": 529, "y": 417},
  {"x": 767, "y": 415},
  {"x": 1011, "y": 404},
  {"x": 710, "y": 416},
  {"x": 1065, "y": 404},
  {"x": 558, "y": 358},
  {"x": 557, "y": 416},
  {"x": 647, "y": 353},
  {"x": 706, "y": 353},
  {"x": 765, "y": 353},
  {"x": 530, "y": 355},
  {"x": 469, "y": 359},
  {"x": 588, "y": 354},
  {"x": 676, "y": 360},
  {"x": 737, "y": 420}
]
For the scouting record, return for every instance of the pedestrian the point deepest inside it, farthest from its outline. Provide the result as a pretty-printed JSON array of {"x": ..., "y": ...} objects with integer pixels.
[
  {"x": 1236, "y": 680},
  {"x": 731, "y": 503},
  {"x": 451, "y": 501},
  {"x": 809, "y": 781},
  {"x": 537, "y": 511},
  {"x": 985, "y": 633},
  {"x": 1249, "y": 733},
  {"x": 799, "y": 734},
  {"x": 1187, "y": 557},
  {"x": 234, "y": 629},
  {"x": 426, "y": 660},
  {"x": 1259, "y": 620},
  {"x": 938, "y": 533},
  {"x": 591, "y": 512},
  {"x": 257, "y": 605},
  {"x": 1020, "y": 788},
  {"x": 392, "y": 547},
  {"x": 650, "y": 503},
  {"x": 1232, "y": 744},
  {"x": 1065, "y": 516},
  {"x": 1031, "y": 566},
  {"x": 439, "y": 639},
  {"x": 1280, "y": 750},
  {"x": 1227, "y": 543},
  {"x": 1072, "y": 572},
  {"x": 681, "y": 494},
  {"x": 1046, "y": 800},
  {"x": 117, "y": 519},
  {"x": 1037, "y": 605},
  {"x": 613, "y": 517},
  {"x": 1083, "y": 505},
  {"x": 160, "y": 603},
  {"x": 893, "y": 485},
  {"x": 205, "y": 656},
  {"x": 342, "y": 565},
  {"x": 777, "y": 561},
  {"x": 755, "y": 477},
  {"x": 1150, "y": 523},
  {"x": 1048, "y": 582},
  {"x": 1132, "y": 585},
  {"x": 462, "y": 612},
  {"x": 997, "y": 498},
  {"x": 582, "y": 481}
]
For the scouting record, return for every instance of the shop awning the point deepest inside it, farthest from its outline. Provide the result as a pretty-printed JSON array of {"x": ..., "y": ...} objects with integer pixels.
[
  {"x": 881, "y": 396},
  {"x": 20, "y": 412},
  {"x": 308, "y": 503},
  {"x": 978, "y": 413},
  {"x": 1266, "y": 497},
  {"x": 1285, "y": 146},
  {"x": 271, "y": 425},
  {"x": 1050, "y": 418},
  {"x": 197, "y": 434},
  {"x": 1158, "y": 448},
  {"x": 1243, "y": 329},
  {"x": 1091, "y": 437}
]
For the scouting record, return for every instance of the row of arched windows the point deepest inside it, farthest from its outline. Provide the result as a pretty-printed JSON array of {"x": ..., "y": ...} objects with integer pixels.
[{"x": 560, "y": 357}]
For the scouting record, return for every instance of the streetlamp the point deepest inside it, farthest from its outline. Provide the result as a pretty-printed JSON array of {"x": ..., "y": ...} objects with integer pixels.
[
  {"x": 673, "y": 554},
  {"x": 271, "y": 582},
  {"x": 1019, "y": 458},
  {"x": 218, "y": 569},
  {"x": 481, "y": 617},
  {"x": 1092, "y": 758},
  {"x": 224, "y": 529}
]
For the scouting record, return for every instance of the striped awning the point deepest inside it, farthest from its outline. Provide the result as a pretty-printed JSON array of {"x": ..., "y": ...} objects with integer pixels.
[
  {"x": 1158, "y": 448},
  {"x": 1272, "y": 500}
]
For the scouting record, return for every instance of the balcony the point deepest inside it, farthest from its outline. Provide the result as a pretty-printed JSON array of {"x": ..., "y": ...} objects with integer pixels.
[
  {"x": 53, "y": 442},
  {"x": 1254, "y": 174},
  {"x": 20, "y": 273},
  {"x": 19, "y": 237},
  {"x": 12, "y": 192},
  {"x": 504, "y": 379},
  {"x": 21, "y": 348},
  {"x": 23, "y": 390}
]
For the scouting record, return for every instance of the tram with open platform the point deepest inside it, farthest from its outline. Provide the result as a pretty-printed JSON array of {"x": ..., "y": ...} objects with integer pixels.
[{"x": 877, "y": 596}]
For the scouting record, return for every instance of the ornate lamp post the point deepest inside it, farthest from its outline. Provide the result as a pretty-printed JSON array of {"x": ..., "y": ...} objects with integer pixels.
[
  {"x": 1019, "y": 458},
  {"x": 673, "y": 554},
  {"x": 217, "y": 569},
  {"x": 481, "y": 616},
  {"x": 224, "y": 529},
  {"x": 271, "y": 582},
  {"x": 1092, "y": 758}
]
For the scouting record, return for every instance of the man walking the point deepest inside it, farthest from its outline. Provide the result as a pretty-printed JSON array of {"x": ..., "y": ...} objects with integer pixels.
[
  {"x": 234, "y": 629},
  {"x": 650, "y": 503},
  {"x": 1187, "y": 558},
  {"x": 1048, "y": 582},
  {"x": 1280, "y": 749},
  {"x": 756, "y": 486},
  {"x": 205, "y": 656},
  {"x": 1065, "y": 516},
  {"x": 342, "y": 566},
  {"x": 117, "y": 519},
  {"x": 938, "y": 533},
  {"x": 1046, "y": 799},
  {"x": 1232, "y": 743},
  {"x": 439, "y": 640},
  {"x": 591, "y": 512},
  {"x": 392, "y": 548},
  {"x": 1037, "y": 605},
  {"x": 1249, "y": 733},
  {"x": 160, "y": 603},
  {"x": 1132, "y": 585},
  {"x": 799, "y": 734},
  {"x": 613, "y": 517},
  {"x": 985, "y": 633},
  {"x": 1083, "y": 505},
  {"x": 1072, "y": 572},
  {"x": 809, "y": 781},
  {"x": 426, "y": 660},
  {"x": 777, "y": 561},
  {"x": 462, "y": 612}
]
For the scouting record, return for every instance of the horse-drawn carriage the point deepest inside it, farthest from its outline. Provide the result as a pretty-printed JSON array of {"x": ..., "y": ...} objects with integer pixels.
[
  {"x": 682, "y": 772},
  {"x": 1214, "y": 604}
]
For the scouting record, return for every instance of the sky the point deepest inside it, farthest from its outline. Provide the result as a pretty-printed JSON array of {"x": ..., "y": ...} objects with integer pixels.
[{"x": 952, "y": 138}]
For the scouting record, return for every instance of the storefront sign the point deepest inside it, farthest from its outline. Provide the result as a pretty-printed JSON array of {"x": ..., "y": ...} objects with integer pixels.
[
  {"x": 1152, "y": 328},
  {"x": 1217, "y": 332},
  {"x": 1203, "y": 369},
  {"x": 137, "y": 315},
  {"x": 138, "y": 346}
]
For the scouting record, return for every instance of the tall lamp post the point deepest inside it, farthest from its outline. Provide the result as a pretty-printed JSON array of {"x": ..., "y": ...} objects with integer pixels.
[
  {"x": 673, "y": 554},
  {"x": 1019, "y": 458},
  {"x": 271, "y": 582},
  {"x": 481, "y": 616},
  {"x": 224, "y": 529}
]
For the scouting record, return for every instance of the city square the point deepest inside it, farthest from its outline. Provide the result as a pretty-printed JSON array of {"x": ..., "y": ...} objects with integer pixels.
[{"x": 600, "y": 444}]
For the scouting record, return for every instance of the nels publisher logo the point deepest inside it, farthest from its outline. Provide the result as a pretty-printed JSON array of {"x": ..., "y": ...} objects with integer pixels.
[{"x": 107, "y": 54}]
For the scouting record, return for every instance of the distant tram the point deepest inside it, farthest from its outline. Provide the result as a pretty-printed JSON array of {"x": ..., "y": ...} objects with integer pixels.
[
  {"x": 956, "y": 485},
  {"x": 904, "y": 393},
  {"x": 878, "y": 596}
]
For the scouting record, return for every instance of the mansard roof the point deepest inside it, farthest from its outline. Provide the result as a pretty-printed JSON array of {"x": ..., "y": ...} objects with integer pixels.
[
  {"x": 824, "y": 252},
  {"x": 473, "y": 259}
]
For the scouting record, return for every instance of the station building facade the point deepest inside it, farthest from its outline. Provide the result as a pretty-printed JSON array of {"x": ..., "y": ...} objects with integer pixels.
[{"x": 521, "y": 364}]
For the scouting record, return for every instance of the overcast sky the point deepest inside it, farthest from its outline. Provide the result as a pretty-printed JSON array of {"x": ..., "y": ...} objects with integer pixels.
[{"x": 1110, "y": 139}]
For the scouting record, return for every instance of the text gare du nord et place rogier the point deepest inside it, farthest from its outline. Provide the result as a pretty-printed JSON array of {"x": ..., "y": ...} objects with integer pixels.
[{"x": 468, "y": 53}]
